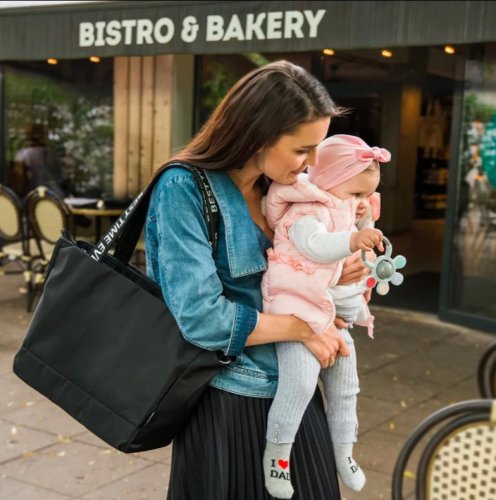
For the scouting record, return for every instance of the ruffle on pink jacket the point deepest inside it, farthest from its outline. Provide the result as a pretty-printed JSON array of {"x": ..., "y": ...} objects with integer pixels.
[{"x": 293, "y": 284}]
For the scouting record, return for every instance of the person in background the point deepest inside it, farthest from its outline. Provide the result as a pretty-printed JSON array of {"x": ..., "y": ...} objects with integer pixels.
[
  {"x": 266, "y": 128},
  {"x": 40, "y": 162}
]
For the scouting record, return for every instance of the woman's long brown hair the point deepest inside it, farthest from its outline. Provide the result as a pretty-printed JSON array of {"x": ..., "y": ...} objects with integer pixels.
[{"x": 263, "y": 105}]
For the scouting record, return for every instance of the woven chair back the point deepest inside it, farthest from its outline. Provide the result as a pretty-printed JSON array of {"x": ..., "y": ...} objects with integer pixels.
[
  {"x": 47, "y": 214},
  {"x": 463, "y": 466},
  {"x": 10, "y": 215}
]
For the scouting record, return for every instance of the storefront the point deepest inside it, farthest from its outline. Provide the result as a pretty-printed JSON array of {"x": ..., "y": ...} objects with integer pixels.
[{"x": 419, "y": 77}]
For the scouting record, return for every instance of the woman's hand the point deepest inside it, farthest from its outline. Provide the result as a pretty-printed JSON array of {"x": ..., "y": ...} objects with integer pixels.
[
  {"x": 340, "y": 322},
  {"x": 327, "y": 346},
  {"x": 354, "y": 270},
  {"x": 288, "y": 328}
]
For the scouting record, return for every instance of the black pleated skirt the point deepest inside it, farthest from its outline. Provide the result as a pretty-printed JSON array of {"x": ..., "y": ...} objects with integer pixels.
[{"x": 219, "y": 455}]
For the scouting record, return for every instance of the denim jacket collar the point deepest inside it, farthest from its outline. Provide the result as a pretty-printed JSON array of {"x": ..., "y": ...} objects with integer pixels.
[{"x": 244, "y": 255}]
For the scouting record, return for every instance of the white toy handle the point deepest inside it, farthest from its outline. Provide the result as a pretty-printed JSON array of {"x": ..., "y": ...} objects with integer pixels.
[
  {"x": 388, "y": 249},
  {"x": 384, "y": 269}
]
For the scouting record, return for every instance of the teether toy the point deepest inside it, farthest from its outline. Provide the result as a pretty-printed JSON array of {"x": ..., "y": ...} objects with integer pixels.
[{"x": 384, "y": 269}]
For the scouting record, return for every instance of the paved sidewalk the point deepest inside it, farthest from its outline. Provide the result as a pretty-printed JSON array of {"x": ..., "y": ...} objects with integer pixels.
[{"x": 415, "y": 365}]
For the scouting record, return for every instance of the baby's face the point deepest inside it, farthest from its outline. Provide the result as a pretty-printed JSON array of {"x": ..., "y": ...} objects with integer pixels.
[{"x": 361, "y": 186}]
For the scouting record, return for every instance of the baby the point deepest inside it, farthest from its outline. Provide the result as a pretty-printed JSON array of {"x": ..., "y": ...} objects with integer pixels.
[{"x": 319, "y": 221}]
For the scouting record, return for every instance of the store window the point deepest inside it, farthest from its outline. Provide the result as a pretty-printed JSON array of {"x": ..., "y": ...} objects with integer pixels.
[
  {"x": 59, "y": 126},
  {"x": 431, "y": 185},
  {"x": 216, "y": 74},
  {"x": 473, "y": 260}
]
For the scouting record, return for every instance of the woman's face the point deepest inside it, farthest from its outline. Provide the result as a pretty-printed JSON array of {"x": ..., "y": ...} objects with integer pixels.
[{"x": 292, "y": 153}]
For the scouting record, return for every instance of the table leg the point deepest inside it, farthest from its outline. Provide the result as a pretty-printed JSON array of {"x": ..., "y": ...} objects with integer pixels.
[{"x": 98, "y": 228}]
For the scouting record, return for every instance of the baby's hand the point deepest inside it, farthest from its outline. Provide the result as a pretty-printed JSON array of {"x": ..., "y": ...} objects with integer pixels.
[{"x": 366, "y": 239}]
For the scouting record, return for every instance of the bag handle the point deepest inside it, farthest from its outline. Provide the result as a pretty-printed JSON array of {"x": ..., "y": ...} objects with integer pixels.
[{"x": 126, "y": 230}]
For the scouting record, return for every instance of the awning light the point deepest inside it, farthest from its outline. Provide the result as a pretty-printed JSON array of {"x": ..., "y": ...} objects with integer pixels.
[
  {"x": 328, "y": 52},
  {"x": 386, "y": 53},
  {"x": 449, "y": 49},
  {"x": 95, "y": 59},
  {"x": 52, "y": 60}
]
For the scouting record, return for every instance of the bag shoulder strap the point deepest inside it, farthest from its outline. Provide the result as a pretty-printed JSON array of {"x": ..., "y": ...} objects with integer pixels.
[
  {"x": 210, "y": 207},
  {"x": 125, "y": 232}
]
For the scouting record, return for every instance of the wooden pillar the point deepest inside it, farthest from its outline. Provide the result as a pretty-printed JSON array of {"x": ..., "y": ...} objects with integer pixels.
[
  {"x": 143, "y": 90},
  {"x": 401, "y": 115},
  {"x": 162, "y": 114},
  {"x": 121, "y": 88}
]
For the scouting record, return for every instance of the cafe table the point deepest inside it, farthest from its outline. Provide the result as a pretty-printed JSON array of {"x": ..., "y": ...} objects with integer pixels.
[{"x": 94, "y": 209}]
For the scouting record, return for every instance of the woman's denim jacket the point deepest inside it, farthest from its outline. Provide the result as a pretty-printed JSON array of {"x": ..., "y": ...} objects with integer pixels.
[{"x": 214, "y": 299}]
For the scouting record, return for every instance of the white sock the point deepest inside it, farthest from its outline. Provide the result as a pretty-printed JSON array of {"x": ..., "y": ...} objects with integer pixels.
[
  {"x": 349, "y": 471},
  {"x": 276, "y": 469}
]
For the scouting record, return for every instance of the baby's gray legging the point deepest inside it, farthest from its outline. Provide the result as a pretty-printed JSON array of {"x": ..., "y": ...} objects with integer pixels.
[{"x": 298, "y": 375}]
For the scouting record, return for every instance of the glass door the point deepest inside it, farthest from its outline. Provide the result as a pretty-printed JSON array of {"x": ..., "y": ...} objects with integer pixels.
[{"x": 468, "y": 284}]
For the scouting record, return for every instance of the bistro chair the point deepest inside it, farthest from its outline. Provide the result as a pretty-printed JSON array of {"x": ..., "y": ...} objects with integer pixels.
[
  {"x": 13, "y": 243},
  {"x": 486, "y": 373},
  {"x": 458, "y": 454},
  {"x": 16, "y": 244},
  {"x": 47, "y": 215}
]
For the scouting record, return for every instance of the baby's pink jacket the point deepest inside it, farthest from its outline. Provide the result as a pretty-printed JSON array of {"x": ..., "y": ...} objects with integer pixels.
[{"x": 293, "y": 284}]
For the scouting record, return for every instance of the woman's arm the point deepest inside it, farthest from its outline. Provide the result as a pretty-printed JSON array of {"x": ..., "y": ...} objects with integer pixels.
[
  {"x": 279, "y": 328},
  {"x": 181, "y": 261},
  {"x": 286, "y": 328}
]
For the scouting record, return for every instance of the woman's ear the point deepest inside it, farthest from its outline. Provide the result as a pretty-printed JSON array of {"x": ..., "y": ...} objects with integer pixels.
[{"x": 259, "y": 157}]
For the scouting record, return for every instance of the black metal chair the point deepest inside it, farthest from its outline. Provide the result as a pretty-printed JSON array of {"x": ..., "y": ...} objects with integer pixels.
[
  {"x": 47, "y": 215},
  {"x": 458, "y": 461},
  {"x": 486, "y": 373}
]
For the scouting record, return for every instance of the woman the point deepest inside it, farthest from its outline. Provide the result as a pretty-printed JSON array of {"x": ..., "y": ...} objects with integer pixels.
[{"x": 267, "y": 127}]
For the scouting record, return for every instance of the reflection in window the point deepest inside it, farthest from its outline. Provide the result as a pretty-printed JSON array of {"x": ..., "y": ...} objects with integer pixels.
[
  {"x": 218, "y": 73},
  {"x": 59, "y": 127},
  {"x": 473, "y": 267}
]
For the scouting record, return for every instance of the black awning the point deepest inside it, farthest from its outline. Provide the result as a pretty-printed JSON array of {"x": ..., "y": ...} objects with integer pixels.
[{"x": 205, "y": 27}]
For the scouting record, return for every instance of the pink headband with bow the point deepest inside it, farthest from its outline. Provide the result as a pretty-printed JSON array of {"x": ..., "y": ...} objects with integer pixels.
[{"x": 341, "y": 157}]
